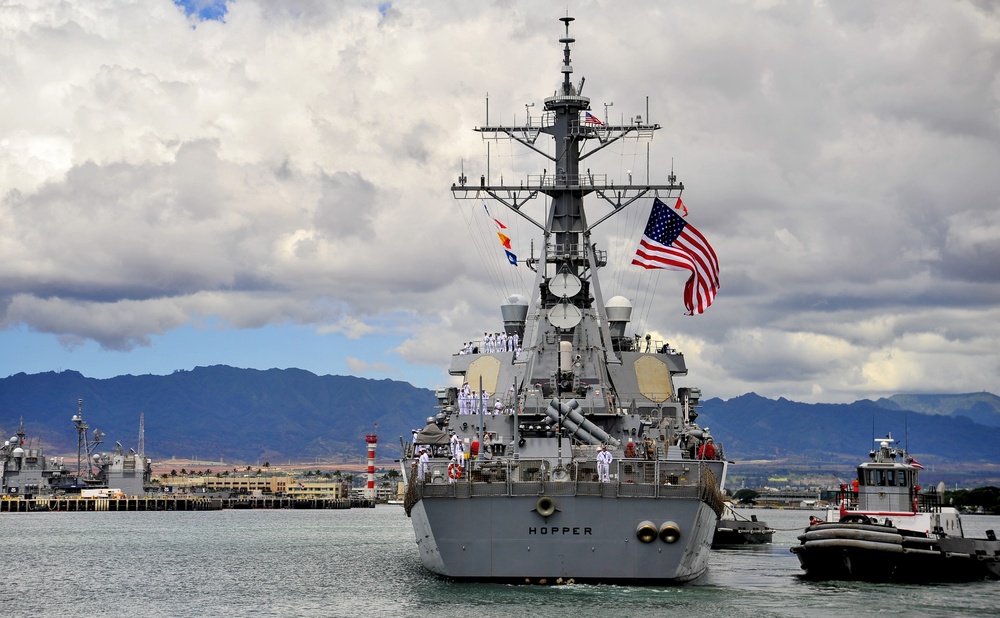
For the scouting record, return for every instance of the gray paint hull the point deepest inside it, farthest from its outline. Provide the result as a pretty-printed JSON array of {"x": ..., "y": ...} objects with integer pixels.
[{"x": 587, "y": 539}]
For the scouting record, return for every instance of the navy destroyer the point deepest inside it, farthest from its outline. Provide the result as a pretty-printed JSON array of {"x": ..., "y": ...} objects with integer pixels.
[{"x": 568, "y": 454}]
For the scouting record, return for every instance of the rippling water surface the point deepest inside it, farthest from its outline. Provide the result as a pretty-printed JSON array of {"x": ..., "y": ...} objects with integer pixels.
[{"x": 364, "y": 562}]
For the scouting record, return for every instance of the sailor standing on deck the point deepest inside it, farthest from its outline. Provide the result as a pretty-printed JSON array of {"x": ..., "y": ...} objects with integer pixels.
[
  {"x": 604, "y": 459},
  {"x": 457, "y": 449},
  {"x": 423, "y": 465}
]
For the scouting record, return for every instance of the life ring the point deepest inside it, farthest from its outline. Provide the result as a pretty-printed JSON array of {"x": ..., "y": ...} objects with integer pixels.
[{"x": 454, "y": 471}]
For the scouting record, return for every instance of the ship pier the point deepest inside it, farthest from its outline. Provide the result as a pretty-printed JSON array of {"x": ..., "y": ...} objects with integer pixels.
[{"x": 173, "y": 503}]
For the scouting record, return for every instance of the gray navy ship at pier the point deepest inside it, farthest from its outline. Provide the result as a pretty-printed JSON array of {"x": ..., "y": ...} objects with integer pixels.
[
  {"x": 25, "y": 471},
  {"x": 526, "y": 499}
]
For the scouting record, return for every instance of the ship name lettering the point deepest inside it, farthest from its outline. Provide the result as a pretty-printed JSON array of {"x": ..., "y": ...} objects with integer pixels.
[{"x": 574, "y": 531}]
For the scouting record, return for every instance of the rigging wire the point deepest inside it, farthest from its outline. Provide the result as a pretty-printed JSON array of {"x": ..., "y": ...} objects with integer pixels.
[{"x": 504, "y": 277}]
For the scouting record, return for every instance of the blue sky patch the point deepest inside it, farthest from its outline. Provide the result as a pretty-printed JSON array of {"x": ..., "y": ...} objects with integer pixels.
[{"x": 203, "y": 9}]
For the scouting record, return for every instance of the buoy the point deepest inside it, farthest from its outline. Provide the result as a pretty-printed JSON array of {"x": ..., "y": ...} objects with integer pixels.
[{"x": 454, "y": 471}]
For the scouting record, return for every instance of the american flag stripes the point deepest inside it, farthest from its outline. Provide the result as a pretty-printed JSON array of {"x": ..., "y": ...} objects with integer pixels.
[{"x": 670, "y": 242}]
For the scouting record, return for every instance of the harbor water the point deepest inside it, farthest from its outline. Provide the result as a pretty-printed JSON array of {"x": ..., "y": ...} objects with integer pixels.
[{"x": 363, "y": 562}]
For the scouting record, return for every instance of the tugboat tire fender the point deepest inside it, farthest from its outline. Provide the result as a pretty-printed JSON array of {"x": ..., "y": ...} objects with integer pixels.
[
  {"x": 854, "y": 544},
  {"x": 855, "y": 518},
  {"x": 846, "y": 533}
]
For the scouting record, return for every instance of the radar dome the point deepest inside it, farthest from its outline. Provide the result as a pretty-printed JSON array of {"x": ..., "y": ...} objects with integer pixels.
[
  {"x": 514, "y": 311},
  {"x": 619, "y": 311}
]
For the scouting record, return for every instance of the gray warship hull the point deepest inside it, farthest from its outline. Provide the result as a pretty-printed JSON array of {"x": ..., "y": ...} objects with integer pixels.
[
  {"x": 589, "y": 539},
  {"x": 568, "y": 454}
]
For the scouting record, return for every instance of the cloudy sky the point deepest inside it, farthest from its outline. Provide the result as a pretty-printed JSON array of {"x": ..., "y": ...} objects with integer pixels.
[{"x": 266, "y": 183}]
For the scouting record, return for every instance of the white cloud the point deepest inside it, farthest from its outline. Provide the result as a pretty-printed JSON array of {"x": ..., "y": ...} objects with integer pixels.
[{"x": 291, "y": 164}]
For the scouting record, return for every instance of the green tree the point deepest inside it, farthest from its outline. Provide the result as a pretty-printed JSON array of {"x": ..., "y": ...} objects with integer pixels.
[
  {"x": 985, "y": 498},
  {"x": 745, "y": 496}
]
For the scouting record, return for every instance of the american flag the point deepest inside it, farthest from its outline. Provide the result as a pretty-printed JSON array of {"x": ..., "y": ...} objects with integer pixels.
[
  {"x": 669, "y": 242},
  {"x": 589, "y": 118}
]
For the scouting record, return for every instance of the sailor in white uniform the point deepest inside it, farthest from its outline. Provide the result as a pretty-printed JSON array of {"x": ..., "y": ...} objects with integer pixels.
[
  {"x": 460, "y": 453},
  {"x": 604, "y": 459},
  {"x": 423, "y": 465},
  {"x": 457, "y": 449}
]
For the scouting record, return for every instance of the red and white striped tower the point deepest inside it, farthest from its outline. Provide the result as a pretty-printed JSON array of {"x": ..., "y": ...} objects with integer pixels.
[{"x": 372, "y": 440}]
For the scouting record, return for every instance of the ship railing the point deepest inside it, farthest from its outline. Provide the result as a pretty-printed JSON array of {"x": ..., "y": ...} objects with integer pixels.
[
  {"x": 929, "y": 502},
  {"x": 558, "y": 252},
  {"x": 535, "y": 477},
  {"x": 560, "y": 179}
]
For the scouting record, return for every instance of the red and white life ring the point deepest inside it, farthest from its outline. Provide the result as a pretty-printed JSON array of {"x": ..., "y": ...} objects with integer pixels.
[{"x": 454, "y": 471}]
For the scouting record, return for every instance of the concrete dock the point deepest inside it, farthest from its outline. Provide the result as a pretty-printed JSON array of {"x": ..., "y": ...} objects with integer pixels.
[{"x": 173, "y": 503}]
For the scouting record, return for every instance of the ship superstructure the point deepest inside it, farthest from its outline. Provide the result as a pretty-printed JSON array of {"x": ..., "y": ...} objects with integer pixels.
[
  {"x": 569, "y": 455},
  {"x": 26, "y": 472}
]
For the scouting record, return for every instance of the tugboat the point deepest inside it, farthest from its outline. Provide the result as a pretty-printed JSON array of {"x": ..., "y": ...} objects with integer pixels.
[
  {"x": 735, "y": 529},
  {"x": 887, "y": 530},
  {"x": 568, "y": 455}
]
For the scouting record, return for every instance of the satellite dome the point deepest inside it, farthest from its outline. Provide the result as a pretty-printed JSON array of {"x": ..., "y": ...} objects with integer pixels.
[
  {"x": 514, "y": 309},
  {"x": 619, "y": 309}
]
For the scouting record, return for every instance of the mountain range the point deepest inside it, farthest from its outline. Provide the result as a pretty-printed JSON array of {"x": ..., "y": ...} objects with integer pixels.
[{"x": 249, "y": 416}]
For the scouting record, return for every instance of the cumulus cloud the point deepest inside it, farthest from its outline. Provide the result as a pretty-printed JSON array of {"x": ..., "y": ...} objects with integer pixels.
[{"x": 261, "y": 162}]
